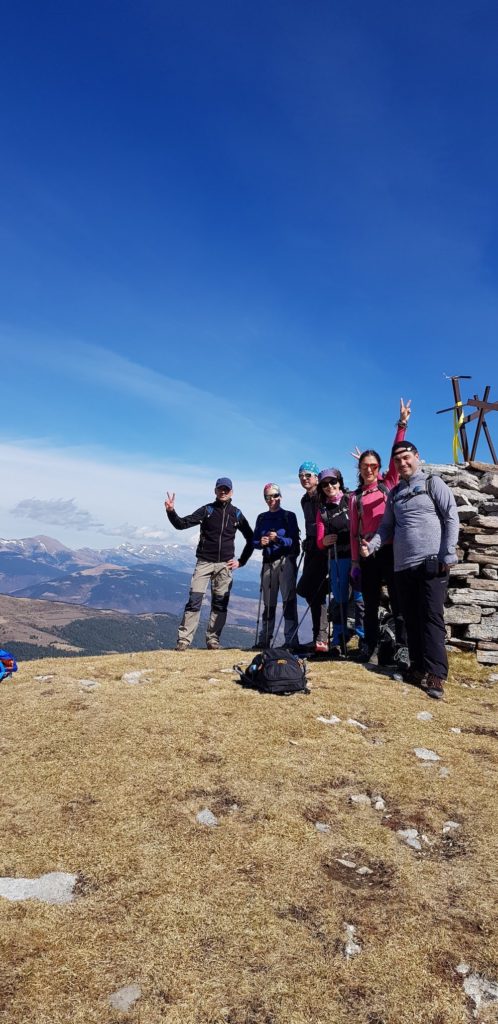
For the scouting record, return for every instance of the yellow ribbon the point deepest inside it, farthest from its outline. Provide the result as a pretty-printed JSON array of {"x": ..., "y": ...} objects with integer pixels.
[{"x": 457, "y": 423}]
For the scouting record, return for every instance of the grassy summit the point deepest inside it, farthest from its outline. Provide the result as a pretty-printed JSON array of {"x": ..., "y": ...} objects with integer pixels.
[{"x": 245, "y": 922}]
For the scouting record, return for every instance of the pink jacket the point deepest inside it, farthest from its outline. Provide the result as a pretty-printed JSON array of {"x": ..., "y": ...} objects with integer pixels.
[{"x": 373, "y": 503}]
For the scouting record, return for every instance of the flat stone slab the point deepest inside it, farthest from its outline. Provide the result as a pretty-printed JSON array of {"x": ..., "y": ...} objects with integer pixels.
[
  {"x": 54, "y": 887},
  {"x": 488, "y": 596},
  {"x": 426, "y": 755},
  {"x": 333, "y": 720}
]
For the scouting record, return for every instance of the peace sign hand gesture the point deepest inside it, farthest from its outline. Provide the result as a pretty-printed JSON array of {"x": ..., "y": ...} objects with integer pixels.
[
  {"x": 356, "y": 454},
  {"x": 169, "y": 504},
  {"x": 404, "y": 411}
]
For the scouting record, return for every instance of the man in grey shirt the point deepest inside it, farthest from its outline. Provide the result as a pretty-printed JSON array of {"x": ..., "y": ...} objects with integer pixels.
[{"x": 422, "y": 521}]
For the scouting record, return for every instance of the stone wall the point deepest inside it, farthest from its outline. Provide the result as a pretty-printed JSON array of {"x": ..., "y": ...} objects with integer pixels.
[{"x": 472, "y": 608}]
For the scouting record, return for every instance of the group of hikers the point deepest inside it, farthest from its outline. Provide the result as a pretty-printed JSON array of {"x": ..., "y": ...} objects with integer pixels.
[{"x": 397, "y": 530}]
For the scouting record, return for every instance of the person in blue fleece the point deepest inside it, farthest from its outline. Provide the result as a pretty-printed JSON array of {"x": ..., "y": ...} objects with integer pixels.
[{"x": 276, "y": 534}]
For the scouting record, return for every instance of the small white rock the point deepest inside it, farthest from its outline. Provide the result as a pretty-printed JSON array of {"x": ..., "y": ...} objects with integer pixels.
[
  {"x": 364, "y": 871},
  {"x": 462, "y": 968},
  {"x": 213, "y": 680},
  {"x": 43, "y": 679},
  {"x": 410, "y": 837},
  {"x": 426, "y": 755},
  {"x": 88, "y": 684},
  {"x": 354, "y": 721},
  {"x": 132, "y": 678},
  {"x": 450, "y": 826},
  {"x": 480, "y": 990},
  {"x": 351, "y": 946},
  {"x": 455, "y": 728},
  {"x": 443, "y": 773},
  {"x": 378, "y": 802},
  {"x": 206, "y": 817},
  {"x": 124, "y": 998},
  {"x": 226, "y": 670},
  {"x": 321, "y": 826},
  {"x": 333, "y": 720},
  {"x": 424, "y": 716},
  {"x": 346, "y": 863},
  {"x": 361, "y": 799}
]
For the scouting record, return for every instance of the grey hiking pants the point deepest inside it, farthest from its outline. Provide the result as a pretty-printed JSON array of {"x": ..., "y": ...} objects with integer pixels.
[
  {"x": 220, "y": 578},
  {"x": 276, "y": 576}
]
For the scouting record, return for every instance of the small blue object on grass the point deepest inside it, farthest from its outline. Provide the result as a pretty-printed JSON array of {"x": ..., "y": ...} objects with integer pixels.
[{"x": 8, "y": 664}]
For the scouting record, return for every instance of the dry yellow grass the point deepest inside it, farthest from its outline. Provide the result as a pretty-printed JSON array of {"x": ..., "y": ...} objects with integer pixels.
[{"x": 244, "y": 923}]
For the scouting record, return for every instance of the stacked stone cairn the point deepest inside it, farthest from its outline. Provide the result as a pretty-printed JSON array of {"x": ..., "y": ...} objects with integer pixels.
[{"x": 471, "y": 612}]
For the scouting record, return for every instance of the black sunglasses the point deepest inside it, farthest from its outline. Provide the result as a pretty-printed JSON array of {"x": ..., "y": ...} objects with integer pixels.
[{"x": 331, "y": 482}]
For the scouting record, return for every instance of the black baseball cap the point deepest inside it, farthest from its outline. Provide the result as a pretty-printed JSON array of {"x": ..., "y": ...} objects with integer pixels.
[
  {"x": 224, "y": 481},
  {"x": 403, "y": 446}
]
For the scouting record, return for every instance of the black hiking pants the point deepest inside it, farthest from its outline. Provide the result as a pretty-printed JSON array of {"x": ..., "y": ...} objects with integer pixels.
[
  {"x": 313, "y": 586},
  {"x": 422, "y": 597},
  {"x": 376, "y": 570}
]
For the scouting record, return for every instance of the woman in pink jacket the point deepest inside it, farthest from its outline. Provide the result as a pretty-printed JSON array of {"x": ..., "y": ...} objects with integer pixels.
[{"x": 367, "y": 506}]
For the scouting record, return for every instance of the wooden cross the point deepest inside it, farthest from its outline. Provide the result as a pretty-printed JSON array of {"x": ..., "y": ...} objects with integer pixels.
[{"x": 482, "y": 406}]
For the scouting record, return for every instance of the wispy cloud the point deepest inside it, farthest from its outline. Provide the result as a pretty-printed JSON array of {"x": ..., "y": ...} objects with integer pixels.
[
  {"x": 56, "y": 512},
  {"x": 66, "y": 513}
]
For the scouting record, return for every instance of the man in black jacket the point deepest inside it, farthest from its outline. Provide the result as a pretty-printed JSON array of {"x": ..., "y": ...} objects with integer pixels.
[{"x": 219, "y": 523}]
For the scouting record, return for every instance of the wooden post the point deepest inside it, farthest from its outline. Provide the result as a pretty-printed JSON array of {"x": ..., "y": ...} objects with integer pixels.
[{"x": 459, "y": 409}]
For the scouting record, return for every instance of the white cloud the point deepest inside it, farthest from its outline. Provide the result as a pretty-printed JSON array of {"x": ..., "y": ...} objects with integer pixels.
[{"x": 56, "y": 512}]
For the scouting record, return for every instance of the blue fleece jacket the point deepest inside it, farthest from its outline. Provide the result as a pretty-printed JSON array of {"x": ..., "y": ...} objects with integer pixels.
[{"x": 284, "y": 524}]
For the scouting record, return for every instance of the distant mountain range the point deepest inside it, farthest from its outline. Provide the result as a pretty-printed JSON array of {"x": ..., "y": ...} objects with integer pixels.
[{"x": 136, "y": 580}]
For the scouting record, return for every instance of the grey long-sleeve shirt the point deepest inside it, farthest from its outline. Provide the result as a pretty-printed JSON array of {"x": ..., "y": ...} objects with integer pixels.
[{"x": 417, "y": 524}]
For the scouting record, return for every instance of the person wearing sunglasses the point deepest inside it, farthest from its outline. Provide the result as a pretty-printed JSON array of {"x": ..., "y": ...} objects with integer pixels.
[
  {"x": 332, "y": 536},
  {"x": 215, "y": 553},
  {"x": 367, "y": 506},
  {"x": 276, "y": 534},
  {"x": 313, "y": 584}
]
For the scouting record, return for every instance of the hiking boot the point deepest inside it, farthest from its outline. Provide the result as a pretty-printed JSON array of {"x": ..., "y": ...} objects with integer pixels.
[
  {"x": 433, "y": 686},
  {"x": 182, "y": 645},
  {"x": 364, "y": 652},
  {"x": 408, "y": 674},
  {"x": 321, "y": 647},
  {"x": 258, "y": 647},
  {"x": 213, "y": 645}
]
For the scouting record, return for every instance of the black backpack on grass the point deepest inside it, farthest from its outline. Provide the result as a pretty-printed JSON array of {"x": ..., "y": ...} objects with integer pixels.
[{"x": 275, "y": 670}]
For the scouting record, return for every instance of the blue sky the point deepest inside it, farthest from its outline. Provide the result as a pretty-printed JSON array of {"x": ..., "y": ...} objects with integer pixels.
[{"x": 231, "y": 237}]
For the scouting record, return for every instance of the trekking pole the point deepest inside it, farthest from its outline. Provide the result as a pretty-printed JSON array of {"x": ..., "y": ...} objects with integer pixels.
[
  {"x": 259, "y": 606},
  {"x": 329, "y": 581},
  {"x": 341, "y": 606},
  {"x": 298, "y": 566},
  {"x": 268, "y": 607}
]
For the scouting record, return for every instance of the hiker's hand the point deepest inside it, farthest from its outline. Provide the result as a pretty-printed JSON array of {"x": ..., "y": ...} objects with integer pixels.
[
  {"x": 264, "y": 541},
  {"x": 169, "y": 504},
  {"x": 356, "y": 453},
  {"x": 272, "y": 537},
  {"x": 364, "y": 552},
  {"x": 443, "y": 568},
  {"x": 233, "y": 563},
  {"x": 329, "y": 540},
  {"x": 404, "y": 411}
]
